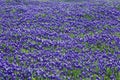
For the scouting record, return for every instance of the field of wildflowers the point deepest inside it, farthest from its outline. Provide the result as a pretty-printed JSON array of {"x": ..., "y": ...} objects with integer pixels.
[{"x": 45, "y": 40}]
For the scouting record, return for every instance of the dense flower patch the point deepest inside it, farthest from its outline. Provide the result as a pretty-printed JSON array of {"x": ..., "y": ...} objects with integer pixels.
[{"x": 59, "y": 41}]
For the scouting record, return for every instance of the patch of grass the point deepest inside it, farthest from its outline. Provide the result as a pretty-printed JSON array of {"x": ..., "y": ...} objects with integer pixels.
[
  {"x": 58, "y": 39},
  {"x": 3, "y": 46},
  {"x": 33, "y": 42},
  {"x": 91, "y": 33},
  {"x": 13, "y": 10},
  {"x": 108, "y": 72},
  {"x": 99, "y": 31},
  {"x": 72, "y": 35},
  {"x": 106, "y": 78},
  {"x": 108, "y": 27},
  {"x": 96, "y": 64},
  {"x": 87, "y": 16},
  {"x": 77, "y": 50},
  {"x": 47, "y": 48},
  {"x": 117, "y": 34},
  {"x": 81, "y": 35},
  {"x": 86, "y": 79},
  {"x": 74, "y": 73},
  {"x": 94, "y": 76},
  {"x": 11, "y": 59},
  {"x": 43, "y": 15},
  {"x": 100, "y": 47},
  {"x": 24, "y": 50},
  {"x": 11, "y": 48},
  {"x": 32, "y": 49},
  {"x": 17, "y": 60},
  {"x": 117, "y": 74},
  {"x": 63, "y": 51}
]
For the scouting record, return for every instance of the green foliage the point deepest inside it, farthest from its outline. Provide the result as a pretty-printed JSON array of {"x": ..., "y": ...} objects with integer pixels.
[
  {"x": 87, "y": 16},
  {"x": 81, "y": 35},
  {"x": 43, "y": 15},
  {"x": 108, "y": 72},
  {"x": 72, "y": 35},
  {"x": 77, "y": 50},
  {"x": 106, "y": 78},
  {"x": 3, "y": 47},
  {"x": 47, "y": 48},
  {"x": 108, "y": 27},
  {"x": 94, "y": 76},
  {"x": 17, "y": 60},
  {"x": 86, "y": 79},
  {"x": 117, "y": 34},
  {"x": 117, "y": 74},
  {"x": 24, "y": 50},
  {"x": 58, "y": 39},
  {"x": 11, "y": 59},
  {"x": 74, "y": 73},
  {"x": 99, "y": 31},
  {"x": 32, "y": 49},
  {"x": 11, "y": 48},
  {"x": 13, "y": 10},
  {"x": 91, "y": 33},
  {"x": 63, "y": 51},
  {"x": 100, "y": 47}
]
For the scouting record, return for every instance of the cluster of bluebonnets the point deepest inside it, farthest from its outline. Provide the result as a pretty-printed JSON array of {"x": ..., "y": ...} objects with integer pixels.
[{"x": 59, "y": 41}]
